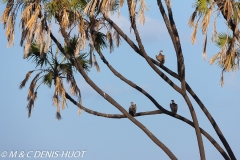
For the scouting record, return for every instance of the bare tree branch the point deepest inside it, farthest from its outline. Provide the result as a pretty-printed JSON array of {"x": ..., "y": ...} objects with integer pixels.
[
  {"x": 115, "y": 116},
  {"x": 151, "y": 98},
  {"x": 170, "y": 72},
  {"x": 170, "y": 24},
  {"x": 212, "y": 121},
  {"x": 119, "y": 116},
  {"x": 142, "y": 50},
  {"x": 136, "y": 49},
  {"x": 204, "y": 109},
  {"x": 110, "y": 99},
  {"x": 176, "y": 40},
  {"x": 130, "y": 82}
]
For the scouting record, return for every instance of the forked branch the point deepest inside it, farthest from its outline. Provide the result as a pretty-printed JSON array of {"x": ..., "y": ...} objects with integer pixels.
[
  {"x": 111, "y": 100},
  {"x": 173, "y": 74},
  {"x": 119, "y": 116}
]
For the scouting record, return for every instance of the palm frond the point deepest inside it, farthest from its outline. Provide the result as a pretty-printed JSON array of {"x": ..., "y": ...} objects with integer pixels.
[
  {"x": 101, "y": 40},
  {"x": 23, "y": 83},
  {"x": 192, "y": 18},
  {"x": 59, "y": 91},
  {"x": 214, "y": 30},
  {"x": 213, "y": 59},
  {"x": 206, "y": 19},
  {"x": 55, "y": 100},
  {"x": 141, "y": 12},
  {"x": 194, "y": 33},
  {"x": 205, "y": 48},
  {"x": 47, "y": 79},
  {"x": 73, "y": 86},
  {"x": 84, "y": 62},
  {"x": 117, "y": 38},
  {"x": 66, "y": 68},
  {"x": 223, "y": 39},
  {"x": 73, "y": 43},
  {"x": 6, "y": 12},
  {"x": 227, "y": 8},
  {"x": 76, "y": 4},
  {"x": 58, "y": 114},
  {"x": 202, "y": 6},
  {"x": 32, "y": 85},
  {"x": 31, "y": 104},
  {"x": 110, "y": 41},
  {"x": 34, "y": 54},
  {"x": 222, "y": 78},
  {"x": 77, "y": 48},
  {"x": 96, "y": 64}
]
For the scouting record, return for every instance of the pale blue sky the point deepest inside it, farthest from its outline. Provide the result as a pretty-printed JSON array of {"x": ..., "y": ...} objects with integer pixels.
[{"x": 113, "y": 139}]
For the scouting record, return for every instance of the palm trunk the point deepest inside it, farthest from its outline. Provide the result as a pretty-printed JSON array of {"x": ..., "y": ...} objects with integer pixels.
[
  {"x": 111, "y": 100},
  {"x": 188, "y": 88},
  {"x": 181, "y": 71}
]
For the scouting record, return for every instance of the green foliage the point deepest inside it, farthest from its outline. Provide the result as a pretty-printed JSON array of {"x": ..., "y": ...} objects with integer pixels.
[
  {"x": 82, "y": 56},
  {"x": 101, "y": 40},
  {"x": 78, "y": 4},
  {"x": 84, "y": 62},
  {"x": 47, "y": 79},
  {"x": 202, "y": 6},
  {"x": 51, "y": 69},
  {"x": 73, "y": 43},
  {"x": 34, "y": 54},
  {"x": 53, "y": 7},
  {"x": 223, "y": 39}
]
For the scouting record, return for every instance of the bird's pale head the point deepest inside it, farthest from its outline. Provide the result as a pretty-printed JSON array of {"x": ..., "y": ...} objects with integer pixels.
[
  {"x": 172, "y": 101},
  {"x": 132, "y": 103}
]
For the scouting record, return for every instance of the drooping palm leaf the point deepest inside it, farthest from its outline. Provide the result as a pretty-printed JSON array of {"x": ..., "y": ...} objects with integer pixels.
[
  {"x": 34, "y": 54},
  {"x": 23, "y": 83},
  {"x": 31, "y": 103}
]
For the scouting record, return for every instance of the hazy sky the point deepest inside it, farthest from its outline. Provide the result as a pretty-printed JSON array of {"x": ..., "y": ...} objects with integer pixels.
[{"x": 118, "y": 139}]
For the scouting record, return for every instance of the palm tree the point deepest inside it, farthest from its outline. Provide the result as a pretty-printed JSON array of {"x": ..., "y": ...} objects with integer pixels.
[
  {"x": 228, "y": 57},
  {"x": 36, "y": 32},
  {"x": 53, "y": 69}
]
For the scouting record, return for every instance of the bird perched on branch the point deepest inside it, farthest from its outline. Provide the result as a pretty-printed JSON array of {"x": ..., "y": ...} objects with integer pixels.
[
  {"x": 132, "y": 109},
  {"x": 174, "y": 107},
  {"x": 160, "y": 57}
]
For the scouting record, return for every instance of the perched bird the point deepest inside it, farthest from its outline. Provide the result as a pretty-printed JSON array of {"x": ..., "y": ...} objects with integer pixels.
[
  {"x": 173, "y": 107},
  {"x": 160, "y": 57},
  {"x": 132, "y": 109}
]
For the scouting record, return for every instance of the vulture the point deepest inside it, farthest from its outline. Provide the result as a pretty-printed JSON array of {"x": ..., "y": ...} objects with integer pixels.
[
  {"x": 160, "y": 57},
  {"x": 173, "y": 107},
  {"x": 132, "y": 109}
]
